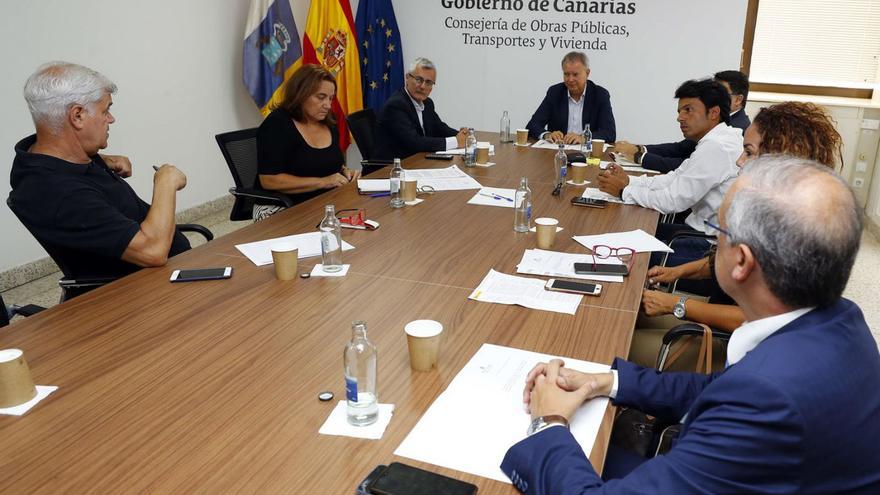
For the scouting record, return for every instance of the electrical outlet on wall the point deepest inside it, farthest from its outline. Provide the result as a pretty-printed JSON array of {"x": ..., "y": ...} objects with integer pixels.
[{"x": 858, "y": 182}]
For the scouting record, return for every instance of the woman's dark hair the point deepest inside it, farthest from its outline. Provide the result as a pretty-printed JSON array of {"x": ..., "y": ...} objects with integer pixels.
[{"x": 301, "y": 85}]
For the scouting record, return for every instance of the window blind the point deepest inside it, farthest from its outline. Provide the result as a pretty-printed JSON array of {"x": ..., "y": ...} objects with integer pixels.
[{"x": 817, "y": 43}]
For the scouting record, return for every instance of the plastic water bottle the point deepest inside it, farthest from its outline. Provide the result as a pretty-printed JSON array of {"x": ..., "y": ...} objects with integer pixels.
[
  {"x": 397, "y": 178},
  {"x": 560, "y": 162},
  {"x": 331, "y": 241},
  {"x": 522, "y": 219},
  {"x": 360, "y": 377},
  {"x": 505, "y": 128},
  {"x": 470, "y": 149},
  {"x": 587, "y": 146}
]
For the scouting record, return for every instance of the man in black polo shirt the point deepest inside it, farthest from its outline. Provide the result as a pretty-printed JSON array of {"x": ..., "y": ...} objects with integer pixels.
[{"x": 75, "y": 201}]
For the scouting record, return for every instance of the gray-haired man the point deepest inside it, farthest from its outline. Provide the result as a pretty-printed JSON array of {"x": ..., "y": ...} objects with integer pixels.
[
  {"x": 74, "y": 200},
  {"x": 408, "y": 122}
]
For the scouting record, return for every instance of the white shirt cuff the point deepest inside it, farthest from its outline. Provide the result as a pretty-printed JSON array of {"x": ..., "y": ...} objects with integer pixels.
[
  {"x": 451, "y": 143},
  {"x": 613, "y": 393}
]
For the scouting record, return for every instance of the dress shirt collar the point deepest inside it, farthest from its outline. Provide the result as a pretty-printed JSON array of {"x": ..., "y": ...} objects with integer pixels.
[
  {"x": 420, "y": 106},
  {"x": 752, "y": 333},
  {"x": 571, "y": 100}
]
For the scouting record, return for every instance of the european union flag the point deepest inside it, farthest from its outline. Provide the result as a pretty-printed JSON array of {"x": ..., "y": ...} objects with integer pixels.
[{"x": 380, "y": 51}]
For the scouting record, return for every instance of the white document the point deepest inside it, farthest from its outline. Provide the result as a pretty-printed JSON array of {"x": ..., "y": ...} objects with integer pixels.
[
  {"x": 501, "y": 288},
  {"x": 595, "y": 193},
  {"x": 337, "y": 423},
  {"x": 636, "y": 168},
  {"x": 442, "y": 179},
  {"x": 494, "y": 196},
  {"x": 460, "y": 151},
  {"x": 260, "y": 252},
  {"x": 551, "y": 146},
  {"x": 627, "y": 165},
  {"x": 556, "y": 264},
  {"x": 638, "y": 240},
  {"x": 374, "y": 185},
  {"x": 480, "y": 415}
]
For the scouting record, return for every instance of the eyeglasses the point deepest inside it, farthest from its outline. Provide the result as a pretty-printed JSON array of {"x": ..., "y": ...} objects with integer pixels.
[
  {"x": 713, "y": 229},
  {"x": 421, "y": 81},
  {"x": 624, "y": 254}
]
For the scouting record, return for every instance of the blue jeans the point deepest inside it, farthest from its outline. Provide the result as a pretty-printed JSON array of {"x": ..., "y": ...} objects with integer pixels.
[{"x": 686, "y": 250}]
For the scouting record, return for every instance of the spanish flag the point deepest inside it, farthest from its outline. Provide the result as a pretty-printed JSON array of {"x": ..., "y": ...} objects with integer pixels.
[{"x": 330, "y": 40}]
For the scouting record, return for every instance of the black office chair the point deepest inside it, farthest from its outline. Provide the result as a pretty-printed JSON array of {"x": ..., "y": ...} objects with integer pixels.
[
  {"x": 239, "y": 149},
  {"x": 7, "y": 311},
  {"x": 364, "y": 127},
  {"x": 75, "y": 284}
]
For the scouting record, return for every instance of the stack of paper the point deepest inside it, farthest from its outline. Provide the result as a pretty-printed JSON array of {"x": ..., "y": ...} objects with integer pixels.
[
  {"x": 595, "y": 193},
  {"x": 260, "y": 252},
  {"x": 480, "y": 415},
  {"x": 441, "y": 179},
  {"x": 637, "y": 240},
  {"x": 460, "y": 151},
  {"x": 552, "y": 146},
  {"x": 528, "y": 292},
  {"x": 556, "y": 264},
  {"x": 374, "y": 185}
]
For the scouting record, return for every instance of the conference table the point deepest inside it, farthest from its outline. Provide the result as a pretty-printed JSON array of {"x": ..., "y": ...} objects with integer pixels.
[{"x": 212, "y": 386}]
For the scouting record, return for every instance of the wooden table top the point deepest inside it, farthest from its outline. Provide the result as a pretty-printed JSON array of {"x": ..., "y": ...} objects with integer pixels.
[{"x": 212, "y": 386}]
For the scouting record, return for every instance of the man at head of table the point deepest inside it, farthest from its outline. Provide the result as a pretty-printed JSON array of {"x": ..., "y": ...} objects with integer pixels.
[{"x": 572, "y": 104}]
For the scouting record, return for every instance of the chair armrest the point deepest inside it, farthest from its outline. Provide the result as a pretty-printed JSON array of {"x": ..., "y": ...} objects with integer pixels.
[
  {"x": 27, "y": 309},
  {"x": 248, "y": 192},
  {"x": 684, "y": 330},
  {"x": 198, "y": 229}
]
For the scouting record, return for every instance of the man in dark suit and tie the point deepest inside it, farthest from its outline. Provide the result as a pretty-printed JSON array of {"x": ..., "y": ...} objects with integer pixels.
[
  {"x": 572, "y": 104},
  {"x": 408, "y": 122},
  {"x": 796, "y": 410},
  {"x": 667, "y": 157}
]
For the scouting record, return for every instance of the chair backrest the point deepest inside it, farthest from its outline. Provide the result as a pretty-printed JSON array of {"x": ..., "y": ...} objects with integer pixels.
[
  {"x": 239, "y": 149},
  {"x": 363, "y": 125},
  {"x": 50, "y": 249}
]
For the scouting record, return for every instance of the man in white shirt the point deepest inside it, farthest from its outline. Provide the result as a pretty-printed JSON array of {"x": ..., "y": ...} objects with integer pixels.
[
  {"x": 409, "y": 124},
  {"x": 701, "y": 180},
  {"x": 795, "y": 411}
]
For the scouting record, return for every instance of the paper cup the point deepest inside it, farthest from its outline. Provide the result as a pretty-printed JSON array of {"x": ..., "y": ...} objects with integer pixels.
[
  {"x": 409, "y": 190},
  {"x": 16, "y": 384},
  {"x": 546, "y": 230},
  {"x": 579, "y": 172},
  {"x": 284, "y": 255},
  {"x": 598, "y": 148},
  {"x": 423, "y": 339},
  {"x": 482, "y": 152},
  {"x": 522, "y": 136}
]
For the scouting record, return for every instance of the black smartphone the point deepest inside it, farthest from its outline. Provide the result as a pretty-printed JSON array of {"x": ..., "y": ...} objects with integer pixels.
[
  {"x": 363, "y": 488},
  {"x": 575, "y": 287},
  {"x": 437, "y": 156},
  {"x": 201, "y": 274},
  {"x": 600, "y": 269},
  {"x": 588, "y": 202},
  {"x": 401, "y": 479}
]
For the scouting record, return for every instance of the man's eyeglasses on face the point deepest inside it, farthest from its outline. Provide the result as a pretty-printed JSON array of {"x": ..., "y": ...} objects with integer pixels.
[
  {"x": 421, "y": 81},
  {"x": 715, "y": 230}
]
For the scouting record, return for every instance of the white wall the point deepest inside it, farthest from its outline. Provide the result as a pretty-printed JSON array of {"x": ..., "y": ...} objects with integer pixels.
[{"x": 178, "y": 68}]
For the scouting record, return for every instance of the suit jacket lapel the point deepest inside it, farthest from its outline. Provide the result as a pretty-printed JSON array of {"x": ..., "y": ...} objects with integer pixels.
[{"x": 413, "y": 115}]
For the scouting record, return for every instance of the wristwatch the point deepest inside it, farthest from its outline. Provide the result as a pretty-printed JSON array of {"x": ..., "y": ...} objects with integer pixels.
[
  {"x": 679, "y": 310},
  {"x": 542, "y": 422}
]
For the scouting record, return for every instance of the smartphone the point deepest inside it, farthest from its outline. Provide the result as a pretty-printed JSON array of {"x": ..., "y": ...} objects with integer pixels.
[
  {"x": 363, "y": 488},
  {"x": 589, "y": 202},
  {"x": 201, "y": 274},
  {"x": 575, "y": 287},
  {"x": 437, "y": 156},
  {"x": 600, "y": 269},
  {"x": 401, "y": 479}
]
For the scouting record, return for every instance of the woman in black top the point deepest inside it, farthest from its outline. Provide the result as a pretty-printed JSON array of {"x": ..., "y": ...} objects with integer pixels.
[{"x": 298, "y": 144}]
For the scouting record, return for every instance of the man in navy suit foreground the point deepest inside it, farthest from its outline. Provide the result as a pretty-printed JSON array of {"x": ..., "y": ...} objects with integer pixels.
[
  {"x": 797, "y": 409},
  {"x": 572, "y": 104}
]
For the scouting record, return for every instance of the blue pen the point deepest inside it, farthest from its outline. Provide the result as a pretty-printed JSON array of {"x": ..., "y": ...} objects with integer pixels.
[
  {"x": 379, "y": 195},
  {"x": 495, "y": 196}
]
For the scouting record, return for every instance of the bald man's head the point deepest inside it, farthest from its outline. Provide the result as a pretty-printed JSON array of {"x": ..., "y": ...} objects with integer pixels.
[{"x": 803, "y": 224}]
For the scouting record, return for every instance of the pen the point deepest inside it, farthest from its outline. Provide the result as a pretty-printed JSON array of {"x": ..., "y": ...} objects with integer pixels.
[
  {"x": 379, "y": 195},
  {"x": 495, "y": 196}
]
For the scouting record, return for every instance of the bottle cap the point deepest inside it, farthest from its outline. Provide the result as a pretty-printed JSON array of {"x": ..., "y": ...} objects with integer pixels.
[{"x": 325, "y": 396}]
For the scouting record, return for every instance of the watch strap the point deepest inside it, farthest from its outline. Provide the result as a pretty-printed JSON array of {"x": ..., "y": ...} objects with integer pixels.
[{"x": 543, "y": 422}]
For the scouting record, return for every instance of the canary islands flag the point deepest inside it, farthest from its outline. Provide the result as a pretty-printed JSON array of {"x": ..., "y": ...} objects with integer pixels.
[
  {"x": 272, "y": 50},
  {"x": 381, "y": 53}
]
